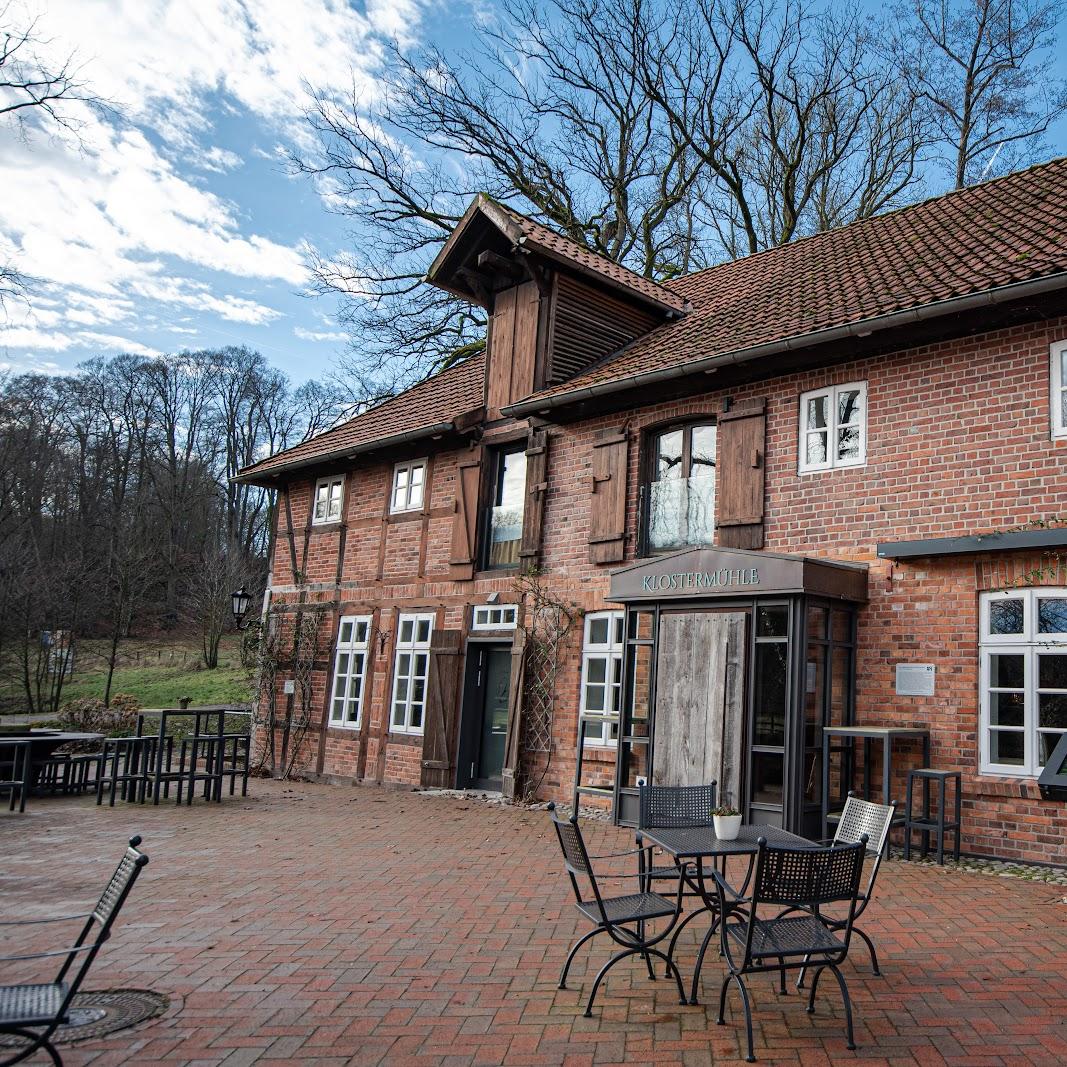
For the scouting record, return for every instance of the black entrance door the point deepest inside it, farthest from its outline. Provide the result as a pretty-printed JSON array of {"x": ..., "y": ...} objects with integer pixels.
[{"x": 485, "y": 717}]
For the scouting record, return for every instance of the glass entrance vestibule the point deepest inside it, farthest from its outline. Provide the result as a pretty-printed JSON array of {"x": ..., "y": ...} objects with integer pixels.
[{"x": 734, "y": 662}]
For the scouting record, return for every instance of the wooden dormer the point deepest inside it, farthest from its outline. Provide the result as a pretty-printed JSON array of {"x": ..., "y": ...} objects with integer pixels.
[{"x": 554, "y": 306}]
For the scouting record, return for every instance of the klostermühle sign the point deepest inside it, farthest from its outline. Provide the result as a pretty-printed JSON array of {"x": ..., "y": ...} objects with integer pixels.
[{"x": 697, "y": 580}]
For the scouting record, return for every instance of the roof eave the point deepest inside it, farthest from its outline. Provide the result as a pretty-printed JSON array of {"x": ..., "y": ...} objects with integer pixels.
[
  {"x": 268, "y": 478},
  {"x": 535, "y": 405}
]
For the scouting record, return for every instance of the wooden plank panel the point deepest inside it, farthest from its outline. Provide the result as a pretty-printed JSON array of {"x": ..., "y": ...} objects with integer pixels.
[
  {"x": 536, "y": 487},
  {"x": 699, "y": 713},
  {"x": 465, "y": 522},
  {"x": 524, "y": 349},
  {"x": 501, "y": 352},
  {"x": 607, "y": 504},
  {"x": 442, "y": 696},
  {"x": 741, "y": 476}
]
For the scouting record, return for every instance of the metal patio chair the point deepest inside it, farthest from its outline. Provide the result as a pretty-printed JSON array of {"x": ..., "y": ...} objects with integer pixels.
[
  {"x": 861, "y": 819},
  {"x": 801, "y": 879},
  {"x": 622, "y": 918},
  {"x": 36, "y": 1011},
  {"x": 672, "y": 806},
  {"x": 16, "y": 771}
]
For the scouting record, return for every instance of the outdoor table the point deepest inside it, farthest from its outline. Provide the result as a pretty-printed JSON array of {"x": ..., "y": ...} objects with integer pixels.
[
  {"x": 888, "y": 736},
  {"x": 697, "y": 843},
  {"x": 44, "y": 742}
]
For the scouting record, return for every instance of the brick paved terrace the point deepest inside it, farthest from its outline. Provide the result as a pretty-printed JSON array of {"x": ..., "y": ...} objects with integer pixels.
[{"x": 331, "y": 925}]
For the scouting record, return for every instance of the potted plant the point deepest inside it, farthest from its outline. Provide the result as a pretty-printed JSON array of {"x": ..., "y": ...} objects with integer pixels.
[{"x": 727, "y": 823}]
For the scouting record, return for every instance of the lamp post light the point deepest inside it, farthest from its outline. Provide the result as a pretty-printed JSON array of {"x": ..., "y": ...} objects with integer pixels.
[{"x": 240, "y": 602}]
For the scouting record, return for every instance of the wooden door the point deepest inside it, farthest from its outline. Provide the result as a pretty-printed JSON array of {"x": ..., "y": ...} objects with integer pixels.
[{"x": 699, "y": 718}]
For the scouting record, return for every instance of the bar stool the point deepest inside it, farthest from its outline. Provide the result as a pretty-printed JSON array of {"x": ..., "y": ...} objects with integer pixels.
[{"x": 925, "y": 823}]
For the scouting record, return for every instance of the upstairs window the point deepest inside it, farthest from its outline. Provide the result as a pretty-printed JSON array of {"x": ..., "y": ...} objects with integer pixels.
[
  {"x": 680, "y": 490},
  {"x": 1058, "y": 385},
  {"x": 1023, "y": 687},
  {"x": 602, "y": 677},
  {"x": 329, "y": 496},
  {"x": 507, "y": 498},
  {"x": 409, "y": 483},
  {"x": 350, "y": 671},
  {"x": 833, "y": 427}
]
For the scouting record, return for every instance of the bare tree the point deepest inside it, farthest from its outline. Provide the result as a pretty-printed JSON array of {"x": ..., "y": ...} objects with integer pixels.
[
  {"x": 547, "y": 112},
  {"x": 984, "y": 70}
]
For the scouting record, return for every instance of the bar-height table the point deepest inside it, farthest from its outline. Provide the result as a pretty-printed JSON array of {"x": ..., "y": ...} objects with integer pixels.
[
  {"x": 199, "y": 715},
  {"x": 698, "y": 843},
  {"x": 888, "y": 736}
]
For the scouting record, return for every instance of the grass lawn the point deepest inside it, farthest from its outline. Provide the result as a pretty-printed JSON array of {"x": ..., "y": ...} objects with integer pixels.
[{"x": 156, "y": 672}]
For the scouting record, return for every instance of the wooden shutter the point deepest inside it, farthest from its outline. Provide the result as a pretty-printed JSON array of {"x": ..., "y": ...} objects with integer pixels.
[
  {"x": 462, "y": 562},
  {"x": 516, "y": 702},
  {"x": 741, "y": 473},
  {"x": 442, "y": 695},
  {"x": 607, "y": 501},
  {"x": 533, "y": 514}
]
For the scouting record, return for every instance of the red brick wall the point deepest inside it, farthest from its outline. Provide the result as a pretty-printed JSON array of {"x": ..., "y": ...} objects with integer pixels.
[{"x": 958, "y": 443}]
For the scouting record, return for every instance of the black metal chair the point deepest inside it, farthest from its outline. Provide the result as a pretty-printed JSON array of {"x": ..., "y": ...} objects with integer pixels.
[
  {"x": 672, "y": 806},
  {"x": 36, "y": 1011},
  {"x": 16, "y": 771},
  {"x": 622, "y": 918},
  {"x": 861, "y": 819},
  {"x": 236, "y": 759},
  {"x": 125, "y": 768},
  {"x": 797, "y": 879}
]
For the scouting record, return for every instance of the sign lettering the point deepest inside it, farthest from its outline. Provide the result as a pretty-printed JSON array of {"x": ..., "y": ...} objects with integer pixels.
[{"x": 682, "y": 581}]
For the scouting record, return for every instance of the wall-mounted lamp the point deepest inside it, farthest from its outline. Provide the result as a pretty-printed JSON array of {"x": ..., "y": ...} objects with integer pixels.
[{"x": 240, "y": 602}]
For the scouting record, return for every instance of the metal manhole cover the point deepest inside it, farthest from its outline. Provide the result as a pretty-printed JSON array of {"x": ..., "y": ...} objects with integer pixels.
[{"x": 100, "y": 1013}]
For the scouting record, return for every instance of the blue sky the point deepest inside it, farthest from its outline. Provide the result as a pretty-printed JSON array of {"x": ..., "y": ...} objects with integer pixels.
[{"x": 175, "y": 224}]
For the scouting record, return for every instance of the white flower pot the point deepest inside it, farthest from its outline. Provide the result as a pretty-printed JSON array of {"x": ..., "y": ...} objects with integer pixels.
[{"x": 727, "y": 827}]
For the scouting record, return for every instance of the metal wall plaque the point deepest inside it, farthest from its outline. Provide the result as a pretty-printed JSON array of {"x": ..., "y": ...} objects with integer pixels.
[{"x": 916, "y": 679}]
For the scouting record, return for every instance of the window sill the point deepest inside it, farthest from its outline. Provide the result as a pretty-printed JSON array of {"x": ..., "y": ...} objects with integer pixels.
[
  {"x": 992, "y": 784},
  {"x": 407, "y": 737},
  {"x": 334, "y": 524},
  {"x": 348, "y": 727},
  {"x": 830, "y": 470}
]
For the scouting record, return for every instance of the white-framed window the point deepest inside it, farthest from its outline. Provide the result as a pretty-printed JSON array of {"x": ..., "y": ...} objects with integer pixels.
[
  {"x": 350, "y": 671},
  {"x": 411, "y": 673},
  {"x": 1023, "y": 680},
  {"x": 329, "y": 497},
  {"x": 833, "y": 427},
  {"x": 495, "y": 617},
  {"x": 1058, "y": 387},
  {"x": 409, "y": 486},
  {"x": 602, "y": 677}
]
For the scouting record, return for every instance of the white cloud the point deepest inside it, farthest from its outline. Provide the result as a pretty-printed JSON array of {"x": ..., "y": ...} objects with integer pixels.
[
  {"x": 31, "y": 337},
  {"x": 316, "y": 335},
  {"x": 118, "y": 344}
]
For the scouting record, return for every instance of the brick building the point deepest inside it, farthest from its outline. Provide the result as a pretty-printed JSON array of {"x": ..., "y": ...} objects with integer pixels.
[{"x": 816, "y": 486}]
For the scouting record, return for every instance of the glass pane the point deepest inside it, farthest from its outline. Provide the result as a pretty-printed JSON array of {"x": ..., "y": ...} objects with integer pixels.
[
  {"x": 403, "y": 664},
  {"x": 848, "y": 407},
  {"x": 594, "y": 698},
  {"x": 407, "y": 628},
  {"x": 361, "y": 633},
  {"x": 420, "y": 665},
  {"x": 337, "y": 712},
  {"x": 814, "y": 681},
  {"x": 1052, "y": 615},
  {"x": 769, "y": 727},
  {"x": 668, "y": 456},
  {"x": 641, "y": 625},
  {"x": 1063, "y": 404},
  {"x": 848, "y": 443},
  {"x": 816, "y": 413},
  {"x": 1046, "y": 743},
  {"x": 840, "y": 670},
  {"x": 813, "y": 777},
  {"x": 418, "y": 689},
  {"x": 841, "y": 626},
  {"x": 599, "y": 630},
  {"x": 636, "y": 764},
  {"x": 1052, "y": 672},
  {"x": 417, "y": 473},
  {"x": 766, "y": 778},
  {"x": 401, "y": 694},
  {"x": 416, "y": 716},
  {"x": 1006, "y": 617},
  {"x": 700, "y": 507},
  {"x": 398, "y": 712},
  {"x": 1006, "y": 709},
  {"x": 772, "y": 621},
  {"x": 346, "y": 633},
  {"x": 1006, "y": 747},
  {"x": 702, "y": 446},
  {"x": 816, "y": 448},
  {"x": 1052, "y": 711},
  {"x": 616, "y": 629},
  {"x": 1006, "y": 672},
  {"x": 415, "y": 496},
  {"x": 640, "y": 679},
  {"x": 342, "y": 663},
  {"x": 666, "y": 513},
  {"x": 422, "y": 633},
  {"x": 597, "y": 669},
  {"x": 817, "y": 617}
]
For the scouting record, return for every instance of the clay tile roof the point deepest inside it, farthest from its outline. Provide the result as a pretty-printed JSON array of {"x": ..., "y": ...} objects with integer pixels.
[
  {"x": 1009, "y": 230},
  {"x": 540, "y": 238},
  {"x": 431, "y": 407}
]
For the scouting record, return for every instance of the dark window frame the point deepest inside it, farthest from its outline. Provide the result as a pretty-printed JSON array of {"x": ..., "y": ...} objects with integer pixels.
[
  {"x": 494, "y": 466},
  {"x": 649, "y": 437}
]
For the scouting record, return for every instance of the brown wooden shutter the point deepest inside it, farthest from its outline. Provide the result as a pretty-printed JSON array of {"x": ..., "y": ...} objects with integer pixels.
[
  {"x": 607, "y": 500},
  {"x": 533, "y": 514},
  {"x": 442, "y": 697},
  {"x": 516, "y": 706},
  {"x": 462, "y": 562},
  {"x": 741, "y": 474}
]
